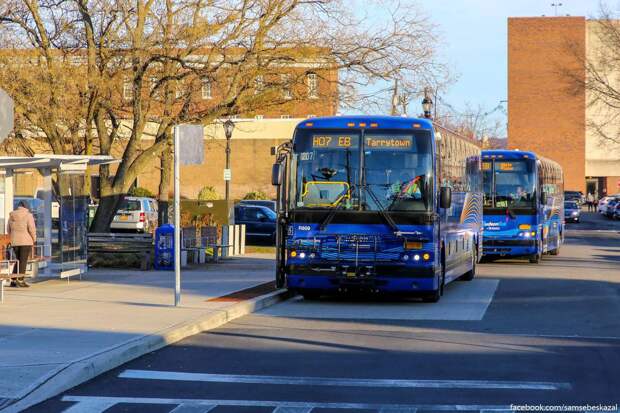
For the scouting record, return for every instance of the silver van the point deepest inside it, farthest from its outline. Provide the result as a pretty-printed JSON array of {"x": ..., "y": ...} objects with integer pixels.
[{"x": 136, "y": 214}]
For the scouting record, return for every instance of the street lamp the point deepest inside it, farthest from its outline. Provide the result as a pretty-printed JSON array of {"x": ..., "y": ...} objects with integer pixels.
[
  {"x": 427, "y": 104},
  {"x": 229, "y": 126}
]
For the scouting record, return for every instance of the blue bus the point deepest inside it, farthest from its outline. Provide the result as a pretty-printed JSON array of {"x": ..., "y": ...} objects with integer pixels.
[
  {"x": 523, "y": 205},
  {"x": 378, "y": 204}
]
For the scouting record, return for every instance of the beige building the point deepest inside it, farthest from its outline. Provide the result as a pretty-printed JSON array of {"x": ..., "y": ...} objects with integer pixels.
[{"x": 251, "y": 159}]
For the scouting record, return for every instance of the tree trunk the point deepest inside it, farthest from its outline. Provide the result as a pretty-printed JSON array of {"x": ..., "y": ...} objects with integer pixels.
[
  {"x": 108, "y": 205},
  {"x": 164, "y": 181}
]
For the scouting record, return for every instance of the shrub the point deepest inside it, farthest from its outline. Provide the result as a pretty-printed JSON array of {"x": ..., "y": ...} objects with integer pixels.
[
  {"x": 142, "y": 192},
  {"x": 208, "y": 193},
  {"x": 255, "y": 195}
]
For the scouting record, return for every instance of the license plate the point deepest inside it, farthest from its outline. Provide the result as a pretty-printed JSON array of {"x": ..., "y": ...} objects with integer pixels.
[{"x": 124, "y": 218}]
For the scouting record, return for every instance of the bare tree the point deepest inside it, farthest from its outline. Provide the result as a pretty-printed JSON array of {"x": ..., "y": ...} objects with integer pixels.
[
  {"x": 475, "y": 122},
  {"x": 601, "y": 80},
  {"x": 98, "y": 77}
]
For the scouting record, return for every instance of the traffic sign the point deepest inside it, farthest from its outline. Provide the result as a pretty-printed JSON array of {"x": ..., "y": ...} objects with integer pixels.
[
  {"x": 6, "y": 115},
  {"x": 227, "y": 175}
]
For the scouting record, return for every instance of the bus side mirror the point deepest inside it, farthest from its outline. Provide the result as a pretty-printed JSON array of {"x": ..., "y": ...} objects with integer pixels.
[
  {"x": 543, "y": 198},
  {"x": 445, "y": 197},
  {"x": 276, "y": 174}
]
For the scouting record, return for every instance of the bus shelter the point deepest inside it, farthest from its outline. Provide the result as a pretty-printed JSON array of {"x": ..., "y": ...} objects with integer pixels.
[{"x": 55, "y": 189}]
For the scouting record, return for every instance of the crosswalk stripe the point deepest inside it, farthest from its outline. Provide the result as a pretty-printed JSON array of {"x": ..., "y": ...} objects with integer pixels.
[
  {"x": 405, "y": 410},
  {"x": 292, "y": 410},
  {"x": 330, "y": 381},
  {"x": 192, "y": 408},
  {"x": 90, "y": 406},
  {"x": 281, "y": 404}
]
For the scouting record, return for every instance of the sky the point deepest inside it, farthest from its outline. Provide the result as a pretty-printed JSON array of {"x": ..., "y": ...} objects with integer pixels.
[{"x": 474, "y": 42}]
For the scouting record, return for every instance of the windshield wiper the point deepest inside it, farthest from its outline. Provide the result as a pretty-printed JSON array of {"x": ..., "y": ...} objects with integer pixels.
[
  {"x": 332, "y": 212},
  {"x": 381, "y": 210}
]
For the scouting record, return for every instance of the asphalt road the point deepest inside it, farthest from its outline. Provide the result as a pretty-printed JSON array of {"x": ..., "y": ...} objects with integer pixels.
[{"x": 518, "y": 334}]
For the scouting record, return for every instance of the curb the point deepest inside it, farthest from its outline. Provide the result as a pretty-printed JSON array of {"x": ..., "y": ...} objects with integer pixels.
[{"x": 79, "y": 371}]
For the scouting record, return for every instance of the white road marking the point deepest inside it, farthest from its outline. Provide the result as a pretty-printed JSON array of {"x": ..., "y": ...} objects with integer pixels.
[
  {"x": 292, "y": 410},
  {"x": 462, "y": 301},
  {"x": 331, "y": 381},
  {"x": 410, "y": 410},
  {"x": 279, "y": 404},
  {"x": 192, "y": 408},
  {"x": 90, "y": 405}
]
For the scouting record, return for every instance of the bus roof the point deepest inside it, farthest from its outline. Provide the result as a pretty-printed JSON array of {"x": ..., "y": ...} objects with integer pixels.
[
  {"x": 383, "y": 122},
  {"x": 508, "y": 154}
]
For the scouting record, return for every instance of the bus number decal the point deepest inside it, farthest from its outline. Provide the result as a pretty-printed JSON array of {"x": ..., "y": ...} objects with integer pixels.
[
  {"x": 306, "y": 156},
  {"x": 304, "y": 227}
]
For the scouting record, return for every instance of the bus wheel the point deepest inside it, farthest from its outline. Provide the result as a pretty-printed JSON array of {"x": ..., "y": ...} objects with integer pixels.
[
  {"x": 434, "y": 296},
  {"x": 535, "y": 258},
  {"x": 555, "y": 251},
  {"x": 469, "y": 275}
]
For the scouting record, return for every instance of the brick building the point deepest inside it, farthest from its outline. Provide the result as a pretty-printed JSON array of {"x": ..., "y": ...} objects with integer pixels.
[{"x": 547, "y": 113}]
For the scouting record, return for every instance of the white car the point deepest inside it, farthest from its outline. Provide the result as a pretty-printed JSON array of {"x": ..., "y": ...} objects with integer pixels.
[
  {"x": 136, "y": 214},
  {"x": 602, "y": 203}
]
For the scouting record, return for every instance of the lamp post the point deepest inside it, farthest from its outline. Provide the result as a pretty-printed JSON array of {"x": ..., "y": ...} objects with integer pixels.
[
  {"x": 229, "y": 126},
  {"x": 427, "y": 104}
]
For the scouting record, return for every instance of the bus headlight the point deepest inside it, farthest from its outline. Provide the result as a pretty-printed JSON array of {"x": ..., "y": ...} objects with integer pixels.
[
  {"x": 405, "y": 257},
  {"x": 416, "y": 257},
  {"x": 426, "y": 256},
  {"x": 302, "y": 255}
]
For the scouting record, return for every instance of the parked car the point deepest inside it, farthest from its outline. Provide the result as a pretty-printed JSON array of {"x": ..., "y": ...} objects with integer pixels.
[
  {"x": 616, "y": 214},
  {"x": 262, "y": 202},
  {"x": 572, "y": 211},
  {"x": 260, "y": 222},
  {"x": 602, "y": 203},
  {"x": 611, "y": 207},
  {"x": 136, "y": 214},
  {"x": 576, "y": 196}
]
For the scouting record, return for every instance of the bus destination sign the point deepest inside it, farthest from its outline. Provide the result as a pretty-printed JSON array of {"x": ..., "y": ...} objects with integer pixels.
[
  {"x": 400, "y": 143},
  {"x": 334, "y": 141}
]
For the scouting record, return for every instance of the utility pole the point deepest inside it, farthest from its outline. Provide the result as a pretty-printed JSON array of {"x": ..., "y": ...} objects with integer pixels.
[
  {"x": 395, "y": 99},
  {"x": 555, "y": 6}
]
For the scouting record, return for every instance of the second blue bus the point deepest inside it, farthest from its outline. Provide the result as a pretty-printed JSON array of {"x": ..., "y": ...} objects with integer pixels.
[{"x": 523, "y": 205}]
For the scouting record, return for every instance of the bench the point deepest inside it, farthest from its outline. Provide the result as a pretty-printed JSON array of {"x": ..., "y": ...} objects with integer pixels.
[
  {"x": 122, "y": 243},
  {"x": 6, "y": 273}
]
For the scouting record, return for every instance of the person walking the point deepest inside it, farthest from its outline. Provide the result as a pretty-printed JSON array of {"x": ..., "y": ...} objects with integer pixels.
[
  {"x": 23, "y": 234},
  {"x": 590, "y": 201}
]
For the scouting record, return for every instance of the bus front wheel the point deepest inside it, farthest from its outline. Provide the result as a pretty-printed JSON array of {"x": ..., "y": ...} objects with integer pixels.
[{"x": 435, "y": 296}]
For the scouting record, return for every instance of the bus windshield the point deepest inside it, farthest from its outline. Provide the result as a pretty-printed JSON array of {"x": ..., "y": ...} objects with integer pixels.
[
  {"x": 396, "y": 173},
  {"x": 509, "y": 183}
]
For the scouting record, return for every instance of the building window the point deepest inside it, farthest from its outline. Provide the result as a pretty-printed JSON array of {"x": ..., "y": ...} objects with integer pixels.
[
  {"x": 311, "y": 116},
  {"x": 259, "y": 117},
  {"x": 313, "y": 85},
  {"x": 206, "y": 89},
  {"x": 259, "y": 85},
  {"x": 286, "y": 87},
  {"x": 285, "y": 116},
  {"x": 127, "y": 89}
]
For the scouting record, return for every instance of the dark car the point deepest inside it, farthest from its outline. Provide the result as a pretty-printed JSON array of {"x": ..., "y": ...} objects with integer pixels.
[
  {"x": 611, "y": 208},
  {"x": 617, "y": 211},
  {"x": 572, "y": 211},
  {"x": 573, "y": 196},
  {"x": 259, "y": 221},
  {"x": 262, "y": 202}
]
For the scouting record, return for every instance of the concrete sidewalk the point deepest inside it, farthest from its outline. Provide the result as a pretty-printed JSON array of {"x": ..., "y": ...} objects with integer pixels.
[{"x": 56, "y": 335}]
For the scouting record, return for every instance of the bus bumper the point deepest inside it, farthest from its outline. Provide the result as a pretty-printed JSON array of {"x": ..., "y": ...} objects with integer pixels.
[
  {"x": 330, "y": 283},
  {"x": 509, "y": 247}
]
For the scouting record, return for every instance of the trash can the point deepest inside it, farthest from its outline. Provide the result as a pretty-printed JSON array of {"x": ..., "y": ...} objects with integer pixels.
[{"x": 164, "y": 247}]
